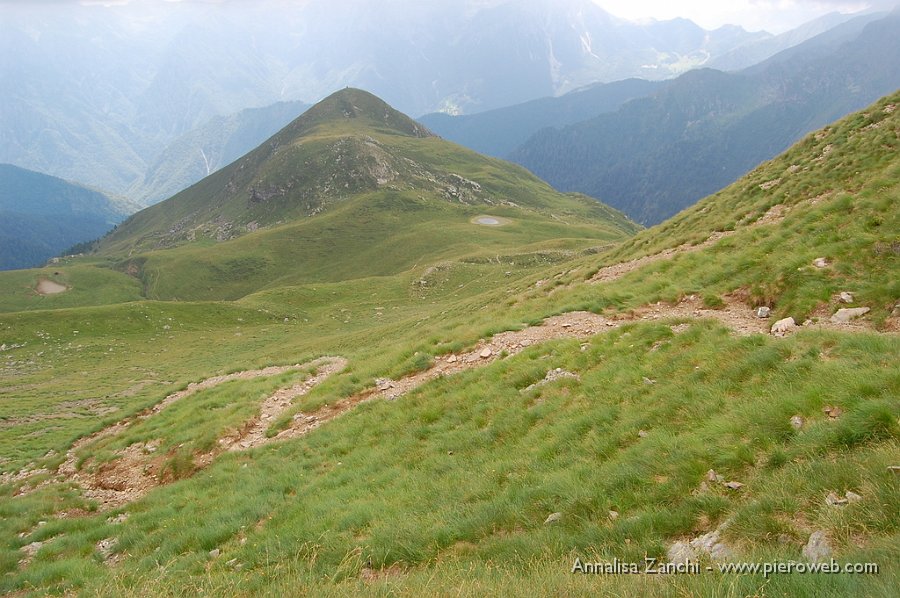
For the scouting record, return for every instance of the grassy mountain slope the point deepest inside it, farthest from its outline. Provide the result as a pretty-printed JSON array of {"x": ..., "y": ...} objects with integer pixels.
[
  {"x": 445, "y": 490},
  {"x": 41, "y": 216},
  {"x": 656, "y": 156},
  {"x": 350, "y": 189}
]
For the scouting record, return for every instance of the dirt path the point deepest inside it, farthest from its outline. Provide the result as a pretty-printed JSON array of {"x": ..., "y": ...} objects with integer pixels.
[
  {"x": 615, "y": 271},
  {"x": 138, "y": 468}
]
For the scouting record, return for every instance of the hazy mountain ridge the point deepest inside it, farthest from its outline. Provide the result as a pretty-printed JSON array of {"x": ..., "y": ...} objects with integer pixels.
[
  {"x": 128, "y": 81},
  {"x": 657, "y": 155},
  {"x": 498, "y": 132},
  {"x": 205, "y": 149},
  {"x": 40, "y": 216}
]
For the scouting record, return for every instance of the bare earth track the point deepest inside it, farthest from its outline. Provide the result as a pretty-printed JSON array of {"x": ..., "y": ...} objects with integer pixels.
[{"x": 137, "y": 470}]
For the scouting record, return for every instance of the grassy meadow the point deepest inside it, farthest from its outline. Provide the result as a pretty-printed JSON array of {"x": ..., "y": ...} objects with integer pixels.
[{"x": 446, "y": 490}]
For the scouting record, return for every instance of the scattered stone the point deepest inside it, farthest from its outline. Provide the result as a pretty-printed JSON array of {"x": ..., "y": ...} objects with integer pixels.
[
  {"x": 712, "y": 545},
  {"x": 763, "y": 312},
  {"x": 734, "y": 485},
  {"x": 853, "y": 496},
  {"x": 231, "y": 562},
  {"x": 383, "y": 384},
  {"x": 214, "y": 553},
  {"x": 834, "y": 500},
  {"x": 452, "y": 359},
  {"x": 120, "y": 518},
  {"x": 552, "y": 375},
  {"x": 649, "y": 381},
  {"x": 832, "y": 412},
  {"x": 797, "y": 422},
  {"x": 845, "y": 314},
  {"x": 485, "y": 353},
  {"x": 613, "y": 515},
  {"x": 680, "y": 553},
  {"x": 642, "y": 434},
  {"x": 553, "y": 518},
  {"x": 845, "y": 297},
  {"x": 106, "y": 546},
  {"x": 32, "y": 549},
  {"x": 818, "y": 548},
  {"x": 820, "y": 262},
  {"x": 783, "y": 327},
  {"x": 712, "y": 476}
]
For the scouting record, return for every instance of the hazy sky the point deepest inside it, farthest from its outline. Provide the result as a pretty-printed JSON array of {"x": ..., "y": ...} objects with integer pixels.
[{"x": 774, "y": 16}]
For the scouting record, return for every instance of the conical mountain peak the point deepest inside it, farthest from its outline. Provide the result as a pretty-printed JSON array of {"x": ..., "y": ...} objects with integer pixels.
[{"x": 358, "y": 109}]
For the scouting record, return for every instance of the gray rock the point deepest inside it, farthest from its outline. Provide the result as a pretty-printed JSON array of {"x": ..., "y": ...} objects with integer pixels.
[
  {"x": 797, "y": 422},
  {"x": 613, "y": 515},
  {"x": 383, "y": 384},
  {"x": 845, "y": 297},
  {"x": 553, "y": 518},
  {"x": 680, "y": 553},
  {"x": 817, "y": 549},
  {"x": 712, "y": 476},
  {"x": 642, "y": 434},
  {"x": 649, "y": 381},
  {"x": 783, "y": 327},
  {"x": 845, "y": 314},
  {"x": 712, "y": 545},
  {"x": 853, "y": 496},
  {"x": 834, "y": 500},
  {"x": 734, "y": 485},
  {"x": 763, "y": 312},
  {"x": 452, "y": 359},
  {"x": 820, "y": 262},
  {"x": 485, "y": 353},
  {"x": 214, "y": 553}
]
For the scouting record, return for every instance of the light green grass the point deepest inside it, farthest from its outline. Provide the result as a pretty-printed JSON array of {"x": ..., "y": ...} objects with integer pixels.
[{"x": 380, "y": 486}]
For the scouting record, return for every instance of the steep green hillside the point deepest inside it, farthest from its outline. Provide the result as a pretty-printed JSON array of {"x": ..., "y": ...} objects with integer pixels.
[
  {"x": 466, "y": 449},
  {"x": 41, "y": 216}
]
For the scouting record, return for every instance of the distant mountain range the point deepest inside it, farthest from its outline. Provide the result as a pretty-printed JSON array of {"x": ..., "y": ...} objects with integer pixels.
[
  {"x": 209, "y": 147},
  {"x": 499, "y": 132},
  {"x": 100, "y": 94},
  {"x": 41, "y": 216},
  {"x": 657, "y": 155}
]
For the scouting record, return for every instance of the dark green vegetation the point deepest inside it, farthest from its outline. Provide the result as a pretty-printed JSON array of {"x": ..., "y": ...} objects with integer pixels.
[
  {"x": 656, "y": 156},
  {"x": 498, "y": 132},
  {"x": 446, "y": 489},
  {"x": 41, "y": 216}
]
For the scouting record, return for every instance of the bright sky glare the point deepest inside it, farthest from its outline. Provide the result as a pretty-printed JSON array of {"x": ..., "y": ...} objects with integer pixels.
[{"x": 774, "y": 16}]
